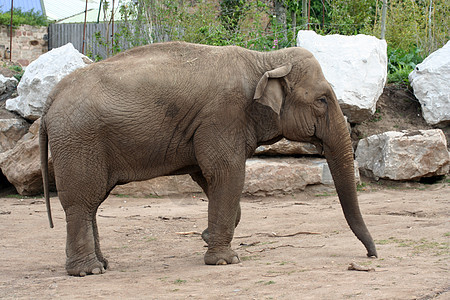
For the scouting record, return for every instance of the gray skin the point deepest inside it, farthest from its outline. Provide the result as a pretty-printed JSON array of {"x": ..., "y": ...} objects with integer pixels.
[{"x": 179, "y": 108}]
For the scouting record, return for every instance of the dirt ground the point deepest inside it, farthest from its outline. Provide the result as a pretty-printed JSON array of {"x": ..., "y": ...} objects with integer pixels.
[{"x": 291, "y": 247}]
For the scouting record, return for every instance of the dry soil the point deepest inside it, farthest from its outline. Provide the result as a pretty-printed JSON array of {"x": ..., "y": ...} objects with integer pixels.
[{"x": 292, "y": 247}]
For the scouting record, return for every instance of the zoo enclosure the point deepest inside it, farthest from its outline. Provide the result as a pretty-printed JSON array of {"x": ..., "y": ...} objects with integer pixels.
[{"x": 61, "y": 34}]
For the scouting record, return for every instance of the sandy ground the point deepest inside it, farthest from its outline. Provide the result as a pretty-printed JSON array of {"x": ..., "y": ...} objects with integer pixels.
[{"x": 150, "y": 258}]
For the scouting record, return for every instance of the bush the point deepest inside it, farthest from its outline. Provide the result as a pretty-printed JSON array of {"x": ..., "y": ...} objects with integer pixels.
[
  {"x": 20, "y": 18},
  {"x": 402, "y": 62}
]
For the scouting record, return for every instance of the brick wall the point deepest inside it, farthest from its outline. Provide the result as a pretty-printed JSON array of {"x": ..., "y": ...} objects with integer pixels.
[{"x": 28, "y": 43}]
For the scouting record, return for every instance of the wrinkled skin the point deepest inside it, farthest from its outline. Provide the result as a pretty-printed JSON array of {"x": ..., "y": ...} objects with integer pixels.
[{"x": 178, "y": 108}]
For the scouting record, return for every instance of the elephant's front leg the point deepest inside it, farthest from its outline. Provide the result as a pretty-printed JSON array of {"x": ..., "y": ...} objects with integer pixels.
[
  {"x": 205, "y": 233},
  {"x": 223, "y": 213},
  {"x": 201, "y": 181}
]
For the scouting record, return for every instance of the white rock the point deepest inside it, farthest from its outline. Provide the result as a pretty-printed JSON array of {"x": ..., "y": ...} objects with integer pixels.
[
  {"x": 160, "y": 186},
  {"x": 268, "y": 176},
  {"x": 405, "y": 155},
  {"x": 355, "y": 66},
  {"x": 41, "y": 76},
  {"x": 430, "y": 81},
  {"x": 286, "y": 147}
]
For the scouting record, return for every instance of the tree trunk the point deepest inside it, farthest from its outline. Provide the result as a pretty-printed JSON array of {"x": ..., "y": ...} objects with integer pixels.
[{"x": 280, "y": 13}]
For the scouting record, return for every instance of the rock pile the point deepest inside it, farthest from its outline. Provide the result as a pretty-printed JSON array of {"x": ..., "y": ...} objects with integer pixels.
[{"x": 356, "y": 67}]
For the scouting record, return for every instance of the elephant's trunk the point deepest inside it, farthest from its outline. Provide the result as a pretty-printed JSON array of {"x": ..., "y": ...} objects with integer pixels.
[{"x": 339, "y": 154}]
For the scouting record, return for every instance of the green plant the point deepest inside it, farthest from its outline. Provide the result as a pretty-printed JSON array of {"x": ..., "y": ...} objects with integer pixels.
[
  {"x": 402, "y": 62},
  {"x": 18, "y": 71},
  {"x": 20, "y": 18},
  {"x": 361, "y": 187},
  {"x": 180, "y": 281}
]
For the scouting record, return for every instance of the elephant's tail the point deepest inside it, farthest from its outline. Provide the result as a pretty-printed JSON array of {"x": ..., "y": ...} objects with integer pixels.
[{"x": 43, "y": 146}]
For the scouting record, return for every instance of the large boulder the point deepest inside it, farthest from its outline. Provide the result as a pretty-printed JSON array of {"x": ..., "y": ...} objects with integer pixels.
[
  {"x": 268, "y": 176},
  {"x": 12, "y": 129},
  {"x": 41, "y": 76},
  {"x": 430, "y": 81},
  {"x": 405, "y": 155},
  {"x": 21, "y": 165},
  {"x": 355, "y": 66}
]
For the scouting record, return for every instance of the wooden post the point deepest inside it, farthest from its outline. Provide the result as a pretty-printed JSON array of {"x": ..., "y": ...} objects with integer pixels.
[
  {"x": 383, "y": 19},
  {"x": 305, "y": 12},
  {"x": 112, "y": 28},
  {"x": 84, "y": 27},
  {"x": 309, "y": 11},
  {"x": 430, "y": 31},
  {"x": 11, "y": 30}
]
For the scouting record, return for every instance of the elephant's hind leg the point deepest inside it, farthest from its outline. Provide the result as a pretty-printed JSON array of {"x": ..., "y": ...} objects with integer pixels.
[
  {"x": 80, "y": 201},
  {"x": 98, "y": 252}
]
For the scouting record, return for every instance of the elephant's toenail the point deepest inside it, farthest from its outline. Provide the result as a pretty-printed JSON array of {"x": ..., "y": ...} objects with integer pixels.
[
  {"x": 235, "y": 260},
  {"x": 96, "y": 271},
  {"x": 82, "y": 274},
  {"x": 221, "y": 262}
]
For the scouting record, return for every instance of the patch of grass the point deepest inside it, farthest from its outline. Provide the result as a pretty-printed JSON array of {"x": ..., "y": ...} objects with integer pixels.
[
  {"x": 122, "y": 196},
  {"x": 180, "y": 281},
  {"x": 163, "y": 278},
  {"x": 420, "y": 246},
  {"x": 325, "y": 194},
  {"x": 149, "y": 238},
  {"x": 265, "y": 282},
  {"x": 17, "y": 196},
  {"x": 250, "y": 257},
  {"x": 152, "y": 196},
  {"x": 360, "y": 187},
  {"x": 378, "y": 116}
]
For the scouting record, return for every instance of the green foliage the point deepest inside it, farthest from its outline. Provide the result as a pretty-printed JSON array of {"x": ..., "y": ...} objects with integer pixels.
[
  {"x": 402, "y": 62},
  {"x": 20, "y": 18},
  {"x": 232, "y": 12},
  {"x": 413, "y": 30}
]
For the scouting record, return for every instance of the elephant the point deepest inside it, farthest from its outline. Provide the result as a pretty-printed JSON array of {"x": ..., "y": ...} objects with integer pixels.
[{"x": 180, "y": 108}]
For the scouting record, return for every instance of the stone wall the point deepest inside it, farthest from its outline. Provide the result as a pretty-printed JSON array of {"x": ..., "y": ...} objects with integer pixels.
[{"x": 28, "y": 43}]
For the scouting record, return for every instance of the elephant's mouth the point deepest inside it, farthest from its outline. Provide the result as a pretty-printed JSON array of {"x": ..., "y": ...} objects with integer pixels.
[
  {"x": 319, "y": 146},
  {"x": 316, "y": 142}
]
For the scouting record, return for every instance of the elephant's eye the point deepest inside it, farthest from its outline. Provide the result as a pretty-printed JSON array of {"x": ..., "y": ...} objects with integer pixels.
[
  {"x": 320, "y": 105},
  {"x": 323, "y": 100}
]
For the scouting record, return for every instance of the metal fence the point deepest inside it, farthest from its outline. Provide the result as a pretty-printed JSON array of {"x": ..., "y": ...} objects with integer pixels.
[{"x": 61, "y": 34}]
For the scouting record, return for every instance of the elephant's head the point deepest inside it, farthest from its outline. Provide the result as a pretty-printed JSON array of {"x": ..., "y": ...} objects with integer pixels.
[{"x": 307, "y": 110}]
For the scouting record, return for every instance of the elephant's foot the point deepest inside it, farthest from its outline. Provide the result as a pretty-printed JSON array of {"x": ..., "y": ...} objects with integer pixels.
[
  {"x": 205, "y": 235},
  {"x": 221, "y": 256},
  {"x": 103, "y": 260},
  {"x": 85, "y": 266}
]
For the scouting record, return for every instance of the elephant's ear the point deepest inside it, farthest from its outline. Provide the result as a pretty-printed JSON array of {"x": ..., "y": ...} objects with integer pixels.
[{"x": 270, "y": 92}]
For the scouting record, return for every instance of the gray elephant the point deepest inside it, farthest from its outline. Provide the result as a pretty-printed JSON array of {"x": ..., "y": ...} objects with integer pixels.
[{"x": 180, "y": 108}]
